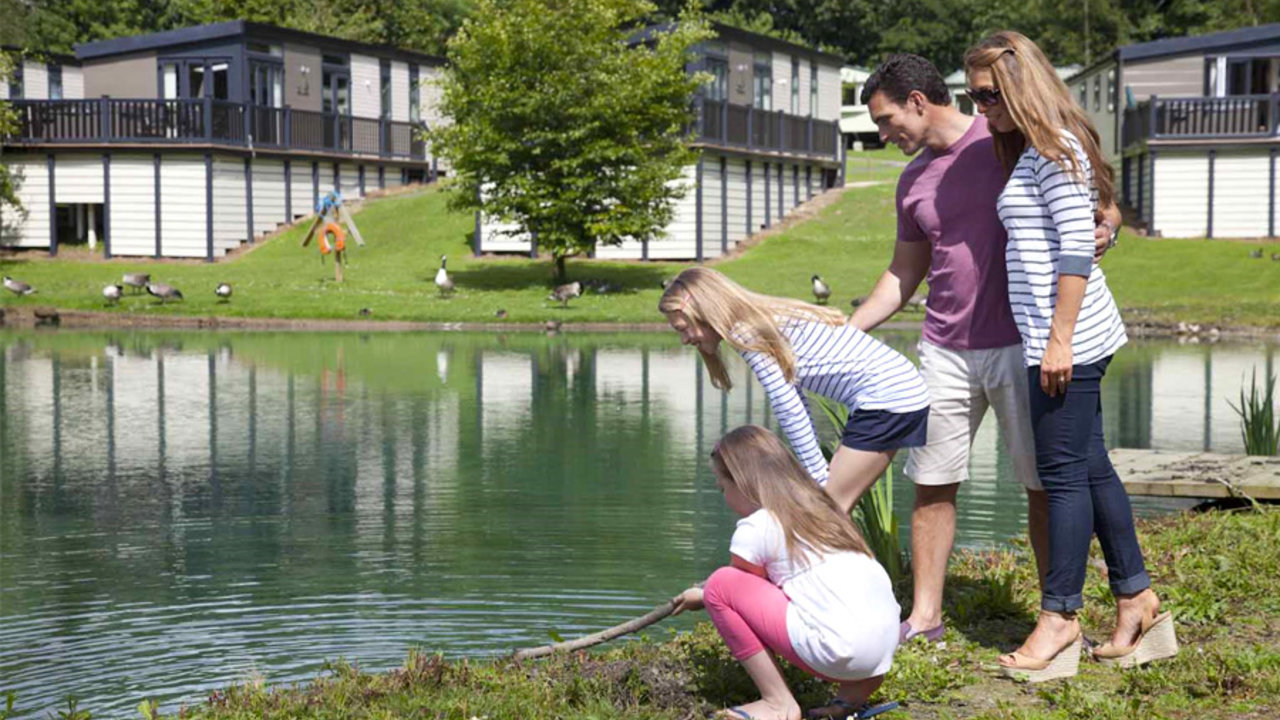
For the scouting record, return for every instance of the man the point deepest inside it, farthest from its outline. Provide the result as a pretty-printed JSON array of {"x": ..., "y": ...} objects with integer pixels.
[{"x": 970, "y": 351}]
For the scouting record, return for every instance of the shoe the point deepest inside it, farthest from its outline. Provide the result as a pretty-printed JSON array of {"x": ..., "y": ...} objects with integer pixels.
[
  {"x": 906, "y": 632},
  {"x": 848, "y": 712},
  {"x": 1156, "y": 641},
  {"x": 1034, "y": 670},
  {"x": 732, "y": 713}
]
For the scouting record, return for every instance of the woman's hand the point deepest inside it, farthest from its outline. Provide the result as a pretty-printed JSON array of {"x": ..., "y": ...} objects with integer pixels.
[
  {"x": 690, "y": 599},
  {"x": 1055, "y": 367}
]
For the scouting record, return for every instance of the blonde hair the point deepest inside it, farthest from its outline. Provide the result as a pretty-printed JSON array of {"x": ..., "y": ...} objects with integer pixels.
[
  {"x": 1041, "y": 107},
  {"x": 746, "y": 320},
  {"x": 756, "y": 462}
]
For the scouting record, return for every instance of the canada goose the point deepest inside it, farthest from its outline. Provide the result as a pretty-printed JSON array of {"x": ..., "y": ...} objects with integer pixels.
[
  {"x": 443, "y": 281},
  {"x": 857, "y": 302},
  {"x": 501, "y": 314},
  {"x": 112, "y": 293},
  {"x": 136, "y": 281},
  {"x": 821, "y": 290},
  {"x": 666, "y": 283},
  {"x": 223, "y": 291},
  {"x": 365, "y": 312},
  {"x": 552, "y": 326},
  {"x": 563, "y": 293},
  {"x": 1275, "y": 257},
  {"x": 164, "y": 292},
  {"x": 1256, "y": 254},
  {"x": 17, "y": 287}
]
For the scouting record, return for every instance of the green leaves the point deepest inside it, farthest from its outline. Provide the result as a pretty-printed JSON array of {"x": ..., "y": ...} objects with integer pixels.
[{"x": 565, "y": 123}]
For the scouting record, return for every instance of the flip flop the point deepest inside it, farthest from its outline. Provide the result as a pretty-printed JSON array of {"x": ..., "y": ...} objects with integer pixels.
[
  {"x": 849, "y": 712},
  {"x": 731, "y": 713},
  {"x": 906, "y": 632}
]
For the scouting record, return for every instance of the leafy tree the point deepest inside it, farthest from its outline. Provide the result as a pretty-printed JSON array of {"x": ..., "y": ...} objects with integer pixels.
[
  {"x": 9, "y": 203},
  {"x": 564, "y": 122}
]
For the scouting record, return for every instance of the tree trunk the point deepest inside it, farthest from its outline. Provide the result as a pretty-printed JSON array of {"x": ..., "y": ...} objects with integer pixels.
[{"x": 561, "y": 275}]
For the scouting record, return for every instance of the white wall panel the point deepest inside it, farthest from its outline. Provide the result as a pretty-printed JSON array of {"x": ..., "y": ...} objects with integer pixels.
[
  {"x": 72, "y": 83},
  {"x": 1182, "y": 193},
  {"x": 35, "y": 80},
  {"x": 182, "y": 206},
  {"x": 268, "y": 195},
  {"x": 399, "y": 91},
  {"x": 679, "y": 240},
  {"x": 133, "y": 204},
  {"x": 301, "y": 188},
  {"x": 710, "y": 205},
  {"x": 1241, "y": 193},
  {"x": 737, "y": 200},
  {"x": 366, "y": 98},
  {"x": 31, "y": 227},
  {"x": 78, "y": 178},
  {"x": 782, "y": 82},
  {"x": 230, "y": 213},
  {"x": 829, "y": 92},
  {"x": 349, "y": 181}
]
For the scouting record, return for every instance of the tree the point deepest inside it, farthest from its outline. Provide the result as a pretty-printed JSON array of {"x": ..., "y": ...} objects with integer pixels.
[
  {"x": 9, "y": 202},
  {"x": 562, "y": 120}
]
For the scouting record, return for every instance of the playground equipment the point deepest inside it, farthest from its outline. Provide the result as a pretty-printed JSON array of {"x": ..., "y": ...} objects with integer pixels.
[{"x": 331, "y": 216}]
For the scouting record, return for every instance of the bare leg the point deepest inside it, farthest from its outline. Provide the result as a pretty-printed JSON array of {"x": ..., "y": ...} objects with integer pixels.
[
  {"x": 933, "y": 531},
  {"x": 853, "y": 471},
  {"x": 1053, "y": 632},
  {"x": 854, "y": 692},
  {"x": 1038, "y": 530},
  {"x": 776, "y": 701},
  {"x": 1130, "y": 609}
]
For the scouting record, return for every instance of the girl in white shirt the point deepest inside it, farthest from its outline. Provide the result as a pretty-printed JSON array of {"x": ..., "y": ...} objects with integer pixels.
[
  {"x": 801, "y": 582},
  {"x": 793, "y": 346}
]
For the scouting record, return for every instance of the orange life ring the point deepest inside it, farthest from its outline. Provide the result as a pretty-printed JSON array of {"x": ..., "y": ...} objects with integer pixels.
[{"x": 339, "y": 238}]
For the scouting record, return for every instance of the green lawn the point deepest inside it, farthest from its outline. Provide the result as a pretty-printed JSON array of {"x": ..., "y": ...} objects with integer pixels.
[{"x": 849, "y": 244}]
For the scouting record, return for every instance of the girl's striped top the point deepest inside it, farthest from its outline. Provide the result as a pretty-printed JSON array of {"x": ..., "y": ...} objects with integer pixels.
[
  {"x": 844, "y": 364},
  {"x": 1048, "y": 213}
]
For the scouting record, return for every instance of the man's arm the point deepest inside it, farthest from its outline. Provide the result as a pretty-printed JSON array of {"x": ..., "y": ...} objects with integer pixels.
[{"x": 896, "y": 286}]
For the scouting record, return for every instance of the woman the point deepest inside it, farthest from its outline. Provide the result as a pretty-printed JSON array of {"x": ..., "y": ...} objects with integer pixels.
[
  {"x": 793, "y": 346},
  {"x": 1070, "y": 329}
]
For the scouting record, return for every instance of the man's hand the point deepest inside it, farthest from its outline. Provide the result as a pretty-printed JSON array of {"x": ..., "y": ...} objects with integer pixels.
[
  {"x": 690, "y": 599},
  {"x": 1106, "y": 228}
]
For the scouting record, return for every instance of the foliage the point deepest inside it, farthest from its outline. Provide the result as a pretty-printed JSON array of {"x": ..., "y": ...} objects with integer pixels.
[
  {"x": 575, "y": 142},
  {"x": 874, "y": 511},
  {"x": 1259, "y": 429},
  {"x": 9, "y": 202}
]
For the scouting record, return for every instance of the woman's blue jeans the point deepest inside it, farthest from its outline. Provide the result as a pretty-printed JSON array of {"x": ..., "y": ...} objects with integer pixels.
[{"x": 1084, "y": 492}]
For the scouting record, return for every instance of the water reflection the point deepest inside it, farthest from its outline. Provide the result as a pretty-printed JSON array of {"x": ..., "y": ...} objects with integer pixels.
[{"x": 179, "y": 511}]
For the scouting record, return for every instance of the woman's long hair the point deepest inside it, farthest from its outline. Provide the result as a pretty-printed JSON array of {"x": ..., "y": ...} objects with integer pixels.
[
  {"x": 744, "y": 319},
  {"x": 1041, "y": 107},
  {"x": 756, "y": 462}
]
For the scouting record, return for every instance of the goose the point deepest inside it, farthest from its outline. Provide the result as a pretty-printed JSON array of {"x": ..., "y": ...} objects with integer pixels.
[
  {"x": 17, "y": 287},
  {"x": 112, "y": 293},
  {"x": 443, "y": 281},
  {"x": 501, "y": 314},
  {"x": 552, "y": 326},
  {"x": 1275, "y": 257},
  {"x": 821, "y": 290},
  {"x": 223, "y": 291},
  {"x": 1256, "y": 254},
  {"x": 563, "y": 293},
  {"x": 365, "y": 312},
  {"x": 136, "y": 281},
  {"x": 666, "y": 283},
  {"x": 164, "y": 292}
]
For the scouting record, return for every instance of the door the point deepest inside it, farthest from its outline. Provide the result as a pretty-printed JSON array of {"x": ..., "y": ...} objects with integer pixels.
[
  {"x": 336, "y": 105},
  {"x": 266, "y": 97}
]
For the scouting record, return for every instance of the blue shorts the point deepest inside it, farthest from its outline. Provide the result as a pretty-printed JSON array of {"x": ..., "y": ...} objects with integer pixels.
[{"x": 881, "y": 430}]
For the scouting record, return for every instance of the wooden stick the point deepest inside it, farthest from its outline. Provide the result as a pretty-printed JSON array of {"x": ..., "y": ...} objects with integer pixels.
[
  {"x": 315, "y": 224},
  {"x": 630, "y": 626}
]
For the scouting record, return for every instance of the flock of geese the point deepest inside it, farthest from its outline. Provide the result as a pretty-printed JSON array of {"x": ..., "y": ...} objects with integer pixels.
[{"x": 135, "y": 282}]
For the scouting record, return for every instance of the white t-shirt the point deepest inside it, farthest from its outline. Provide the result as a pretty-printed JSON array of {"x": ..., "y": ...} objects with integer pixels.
[{"x": 842, "y": 619}]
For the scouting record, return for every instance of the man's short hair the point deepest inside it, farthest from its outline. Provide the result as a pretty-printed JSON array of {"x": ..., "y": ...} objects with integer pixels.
[{"x": 903, "y": 73}]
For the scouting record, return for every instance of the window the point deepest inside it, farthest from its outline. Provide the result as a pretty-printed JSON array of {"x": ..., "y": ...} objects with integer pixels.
[
  {"x": 795, "y": 85},
  {"x": 384, "y": 85},
  {"x": 415, "y": 96},
  {"x": 15, "y": 80},
  {"x": 813, "y": 88},
  {"x": 55, "y": 81},
  {"x": 762, "y": 85},
  {"x": 1111, "y": 90},
  {"x": 266, "y": 87},
  {"x": 718, "y": 86},
  {"x": 1084, "y": 94},
  {"x": 334, "y": 60},
  {"x": 1097, "y": 93},
  {"x": 264, "y": 49}
]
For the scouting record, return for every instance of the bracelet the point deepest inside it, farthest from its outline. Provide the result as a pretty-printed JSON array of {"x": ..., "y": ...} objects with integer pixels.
[{"x": 1115, "y": 233}]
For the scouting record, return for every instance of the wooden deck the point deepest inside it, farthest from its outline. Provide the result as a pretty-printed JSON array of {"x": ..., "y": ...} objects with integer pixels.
[{"x": 1197, "y": 474}]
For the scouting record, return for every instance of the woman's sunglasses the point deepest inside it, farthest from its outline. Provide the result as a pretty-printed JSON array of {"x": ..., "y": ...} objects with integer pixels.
[{"x": 986, "y": 97}]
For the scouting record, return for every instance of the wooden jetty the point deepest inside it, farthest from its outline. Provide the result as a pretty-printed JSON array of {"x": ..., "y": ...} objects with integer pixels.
[{"x": 1197, "y": 474}]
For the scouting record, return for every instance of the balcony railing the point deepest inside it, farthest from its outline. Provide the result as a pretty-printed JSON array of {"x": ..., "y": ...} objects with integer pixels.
[
  {"x": 748, "y": 127},
  {"x": 1233, "y": 116},
  {"x": 208, "y": 121}
]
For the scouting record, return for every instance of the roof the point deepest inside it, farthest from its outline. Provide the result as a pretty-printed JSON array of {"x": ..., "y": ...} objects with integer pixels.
[
  {"x": 729, "y": 32},
  {"x": 40, "y": 54},
  {"x": 237, "y": 28},
  {"x": 1201, "y": 43},
  {"x": 854, "y": 74},
  {"x": 957, "y": 78}
]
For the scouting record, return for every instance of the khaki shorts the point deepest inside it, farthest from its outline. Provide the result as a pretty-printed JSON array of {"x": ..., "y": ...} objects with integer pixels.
[{"x": 962, "y": 385}]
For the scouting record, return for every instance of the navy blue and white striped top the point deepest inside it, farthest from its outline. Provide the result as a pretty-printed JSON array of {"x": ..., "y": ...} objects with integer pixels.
[
  {"x": 844, "y": 364},
  {"x": 1048, "y": 214}
]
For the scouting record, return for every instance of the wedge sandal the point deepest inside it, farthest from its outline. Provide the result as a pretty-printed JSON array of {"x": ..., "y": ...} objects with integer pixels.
[
  {"x": 1156, "y": 641},
  {"x": 1034, "y": 670}
]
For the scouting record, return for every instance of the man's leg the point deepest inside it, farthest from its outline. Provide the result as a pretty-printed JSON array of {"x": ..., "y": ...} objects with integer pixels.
[
  {"x": 1006, "y": 389},
  {"x": 933, "y": 531}
]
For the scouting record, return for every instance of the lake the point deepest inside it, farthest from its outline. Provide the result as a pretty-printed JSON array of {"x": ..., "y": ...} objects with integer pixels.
[{"x": 179, "y": 511}]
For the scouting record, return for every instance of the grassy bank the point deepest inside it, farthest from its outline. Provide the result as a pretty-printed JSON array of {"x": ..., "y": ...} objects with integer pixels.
[
  {"x": 849, "y": 243},
  {"x": 1217, "y": 571}
]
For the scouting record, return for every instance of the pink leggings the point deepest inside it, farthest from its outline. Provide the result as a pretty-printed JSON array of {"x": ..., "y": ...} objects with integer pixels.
[{"x": 751, "y": 614}]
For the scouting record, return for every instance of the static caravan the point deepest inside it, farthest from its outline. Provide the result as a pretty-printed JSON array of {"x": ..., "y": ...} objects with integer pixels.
[
  {"x": 768, "y": 139},
  {"x": 190, "y": 142},
  {"x": 1192, "y": 126}
]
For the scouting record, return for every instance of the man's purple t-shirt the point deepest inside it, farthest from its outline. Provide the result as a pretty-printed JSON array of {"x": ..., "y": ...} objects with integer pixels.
[{"x": 949, "y": 199}]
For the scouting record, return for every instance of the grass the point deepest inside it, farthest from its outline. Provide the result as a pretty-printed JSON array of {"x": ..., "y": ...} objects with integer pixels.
[
  {"x": 1218, "y": 572},
  {"x": 1259, "y": 431},
  {"x": 849, "y": 243}
]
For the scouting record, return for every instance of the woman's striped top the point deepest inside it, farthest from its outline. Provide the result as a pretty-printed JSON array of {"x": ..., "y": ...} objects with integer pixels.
[
  {"x": 844, "y": 364},
  {"x": 1048, "y": 213}
]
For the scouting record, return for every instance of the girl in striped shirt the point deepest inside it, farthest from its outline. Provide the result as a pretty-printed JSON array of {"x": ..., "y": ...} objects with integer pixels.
[
  {"x": 1070, "y": 328},
  {"x": 793, "y": 346}
]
